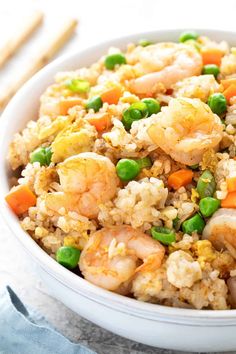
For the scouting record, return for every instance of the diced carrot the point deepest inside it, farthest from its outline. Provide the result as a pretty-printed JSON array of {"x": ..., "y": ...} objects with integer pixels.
[
  {"x": 231, "y": 184},
  {"x": 227, "y": 82},
  {"x": 101, "y": 121},
  {"x": 20, "y": 199},
  {"x": 180, "y": 178},
  {"x": 229, "y": 201},
  {"x": 211, "y": 56},
  {"x": 230, "y": 92},
  {"x": 112, "y": 95},
  {"x": 65, "y": 105}
]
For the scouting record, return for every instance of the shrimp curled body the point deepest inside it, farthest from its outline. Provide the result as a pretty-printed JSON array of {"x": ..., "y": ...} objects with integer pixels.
[
  {"x": 163, "y": 64},
  {"x": 87, "y": 180},
  {"x": 186, "y": 129},
  {"x": 112, "y": 256}
]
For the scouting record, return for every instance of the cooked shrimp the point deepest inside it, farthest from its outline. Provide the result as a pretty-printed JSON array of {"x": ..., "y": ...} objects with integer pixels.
[
  {"x": 163, "y": 64},
  {"x": 232, "y": 291},
  {"x": 87, "y": 180},
  {"x": 221, "y": 230},
  {"x": 112, "y": 256},
  {"x": 186, "y": 129}
]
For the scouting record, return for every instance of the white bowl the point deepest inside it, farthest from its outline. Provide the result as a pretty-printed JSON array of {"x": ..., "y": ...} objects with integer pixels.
[{"x": 166, "y": 327}]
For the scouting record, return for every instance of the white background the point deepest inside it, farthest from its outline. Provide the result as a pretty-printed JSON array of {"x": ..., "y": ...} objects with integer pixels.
[
  {"x": 103, "y": 19},
  {"x": 98, "y": 21}
]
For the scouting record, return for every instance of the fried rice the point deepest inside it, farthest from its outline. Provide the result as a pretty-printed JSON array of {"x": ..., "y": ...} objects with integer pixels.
[{"x": 159, "y": 107}]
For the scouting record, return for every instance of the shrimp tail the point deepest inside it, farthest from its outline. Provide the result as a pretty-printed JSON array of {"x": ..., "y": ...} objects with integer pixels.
[{"x": 150, "y": 264}]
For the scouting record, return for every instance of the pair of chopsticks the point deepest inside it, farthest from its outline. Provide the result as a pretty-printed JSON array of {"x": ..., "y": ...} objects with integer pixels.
[{"x": 45, "y": 53}]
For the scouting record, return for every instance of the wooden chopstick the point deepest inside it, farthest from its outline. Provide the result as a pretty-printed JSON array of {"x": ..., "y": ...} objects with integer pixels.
[
  {"x": 20, "y": 36},
  {"x": 46, "y": 53}
]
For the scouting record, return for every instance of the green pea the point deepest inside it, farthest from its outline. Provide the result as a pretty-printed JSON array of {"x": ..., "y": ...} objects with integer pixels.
[
  {"x": 153, "y": 105},
  {"x": 162, "y": 234},
  {"x": 208, "y": 206},
  {"x": 136, "y": 111},
  {"x": 144, "y": 42},
  {"x": 211, "y": 69},
  {"x": 128, "y": 119},
  {"x": 185, "y": 36},
  {"x": 206, "y": 184},
  {"x": 127, "y": 169},
  {"x": 77, "y": 85},
  {"x": 141, "y": 107},
  {"x": 136, "y": 114},
  {"x": 195, "y": 223},
  {"x": 94, "y": 103},
  {"x": 217, "y": 103},
  {"x": 145, "y": 162},
  {"x": 68, "y": 256},
  {"x": 42, "y": 155},
  {"x": 48, "y": 155},
  {"x": 114, "y": 59}
]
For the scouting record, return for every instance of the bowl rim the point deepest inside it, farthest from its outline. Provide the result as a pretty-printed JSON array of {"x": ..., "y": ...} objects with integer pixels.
[{"x": 77, "y": 284}]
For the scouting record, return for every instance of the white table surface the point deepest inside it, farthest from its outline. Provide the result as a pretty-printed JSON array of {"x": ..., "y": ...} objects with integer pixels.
[{"x": 98, "y": 21}]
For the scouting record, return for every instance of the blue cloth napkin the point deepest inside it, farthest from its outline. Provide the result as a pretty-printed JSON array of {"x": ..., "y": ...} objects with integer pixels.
[{"x": 26, "y": 332}]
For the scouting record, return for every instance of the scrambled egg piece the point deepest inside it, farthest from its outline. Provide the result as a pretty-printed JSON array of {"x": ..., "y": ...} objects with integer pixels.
[
  {"x": 78, "y": 137},
  {"x": 182, "y": 270},
  {"x": 58, "y": 124},
  {"x": 78, "y": 241},
  {"x": 194, "y": 195},
  {"x": 204, "y": 251},
  {"x": 70, "y": 241}
]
